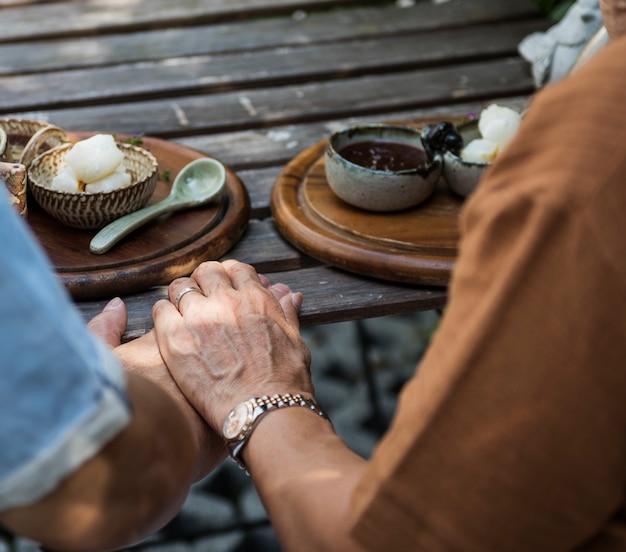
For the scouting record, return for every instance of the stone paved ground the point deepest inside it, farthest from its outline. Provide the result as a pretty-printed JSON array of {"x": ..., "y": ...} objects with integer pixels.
[{"x": 223, "y": 512}]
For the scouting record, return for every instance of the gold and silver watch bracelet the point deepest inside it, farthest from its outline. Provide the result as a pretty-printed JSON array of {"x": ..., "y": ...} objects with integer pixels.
[{"x": 244, "y": 417}]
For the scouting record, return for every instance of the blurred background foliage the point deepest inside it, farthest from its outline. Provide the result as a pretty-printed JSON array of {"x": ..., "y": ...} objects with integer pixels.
[{"x": 555, "y": 9}]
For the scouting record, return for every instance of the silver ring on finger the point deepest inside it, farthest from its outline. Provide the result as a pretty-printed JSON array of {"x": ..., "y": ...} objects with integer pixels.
[{"x": 183, "y": 292}]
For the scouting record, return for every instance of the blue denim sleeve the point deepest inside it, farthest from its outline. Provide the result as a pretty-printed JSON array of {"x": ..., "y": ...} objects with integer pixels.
[{"x": 62, "y": 392}]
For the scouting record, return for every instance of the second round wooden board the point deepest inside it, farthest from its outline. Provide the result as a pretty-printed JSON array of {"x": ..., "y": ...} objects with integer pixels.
[{"x": 416, "y": 246}]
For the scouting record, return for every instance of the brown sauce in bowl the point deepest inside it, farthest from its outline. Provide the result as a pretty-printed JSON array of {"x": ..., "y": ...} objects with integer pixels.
[{"x": 384, "y": 156}]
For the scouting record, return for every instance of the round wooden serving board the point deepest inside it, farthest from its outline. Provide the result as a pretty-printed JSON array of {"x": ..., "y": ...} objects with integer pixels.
[
  {"x": 155, "y": 253},
  {"x": 416, "y": 246}
]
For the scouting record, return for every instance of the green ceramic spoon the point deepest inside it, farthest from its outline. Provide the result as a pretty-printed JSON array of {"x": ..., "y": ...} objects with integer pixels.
[{"x": 197, "y": 183}]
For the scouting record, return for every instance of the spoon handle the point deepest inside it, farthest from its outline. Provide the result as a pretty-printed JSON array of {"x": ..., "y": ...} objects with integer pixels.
[{"x": 116, "y": 230}]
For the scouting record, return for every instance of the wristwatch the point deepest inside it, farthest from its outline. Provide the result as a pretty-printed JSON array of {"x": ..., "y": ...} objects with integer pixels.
[{"x": 243, "y": 418}]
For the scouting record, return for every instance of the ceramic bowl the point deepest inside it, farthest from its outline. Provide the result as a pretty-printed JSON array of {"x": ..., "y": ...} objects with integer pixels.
[
  {"x": 92, "y": 210},
  {"x": 462, "y": 177},
  {"x": 379, "y": 182}
]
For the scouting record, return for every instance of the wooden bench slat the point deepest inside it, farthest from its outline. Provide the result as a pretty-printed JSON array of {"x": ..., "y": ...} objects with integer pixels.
[
  {"x": 106, "y": 16},
  {"x": 112, "y": 16},
  {"x": 246, "y": 36},
  {"x": 274, "y": 67},
  {"x": 263, "y": 242},
  {"x": 330, "y": 295},
  {"x": 307, "y": 102}
]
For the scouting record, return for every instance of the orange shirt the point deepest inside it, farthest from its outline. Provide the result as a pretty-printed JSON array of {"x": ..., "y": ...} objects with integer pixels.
[{"x": 512, "y": 434}]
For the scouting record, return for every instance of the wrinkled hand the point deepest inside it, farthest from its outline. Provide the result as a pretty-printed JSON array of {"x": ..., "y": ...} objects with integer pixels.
[
  {"x": 614, "y": 17},
  {"x": 141, "y": 356},
  {"x": 237, "y": 339}
]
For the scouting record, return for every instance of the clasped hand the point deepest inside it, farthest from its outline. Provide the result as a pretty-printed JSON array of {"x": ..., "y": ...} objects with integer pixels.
[{"x": 233, "y": 338}]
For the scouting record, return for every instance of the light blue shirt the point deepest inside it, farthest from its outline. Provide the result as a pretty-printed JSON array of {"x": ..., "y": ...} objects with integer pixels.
[{"x": 61, "y": 390}]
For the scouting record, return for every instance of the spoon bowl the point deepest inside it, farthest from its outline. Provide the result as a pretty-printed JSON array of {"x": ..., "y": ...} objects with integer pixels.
[{"x": 198, "y": 183}]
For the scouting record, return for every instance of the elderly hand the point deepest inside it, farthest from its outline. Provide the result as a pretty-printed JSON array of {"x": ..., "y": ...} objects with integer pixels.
[
  {"x": 234, "y": 338},
  {"x": 141, "y": 356},
  {"x": 614, "y": 17}
]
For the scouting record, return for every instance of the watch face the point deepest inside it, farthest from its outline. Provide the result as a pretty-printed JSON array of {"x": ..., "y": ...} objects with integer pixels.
[{"x": 236, "y": 421}]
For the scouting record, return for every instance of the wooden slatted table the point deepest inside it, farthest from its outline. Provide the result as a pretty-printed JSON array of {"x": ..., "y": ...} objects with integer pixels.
[{"x": 254, "y": 83}]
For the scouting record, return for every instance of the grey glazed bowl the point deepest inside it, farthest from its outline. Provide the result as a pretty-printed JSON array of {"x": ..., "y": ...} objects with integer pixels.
[
  {"x": 92, "y": 210},
  {"x": 378, "y": 190}
]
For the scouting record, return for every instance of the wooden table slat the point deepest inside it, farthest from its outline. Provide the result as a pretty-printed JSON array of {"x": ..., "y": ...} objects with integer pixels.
[
  {"x": 275, "y": 67},
  {"x": 67, "y": 19},
  {"x": 310, "y": 101},
  {"x": 95, "y": 17},
  {"x": 331, "y": 296},
  {"x": 258, "y": 34}
]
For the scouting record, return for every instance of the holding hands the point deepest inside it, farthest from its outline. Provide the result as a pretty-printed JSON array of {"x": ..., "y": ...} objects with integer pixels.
[
  {"x": 232, "y": 336},
  {"x": 141, "y": 357},
  {"x": 228, "y": 336}
]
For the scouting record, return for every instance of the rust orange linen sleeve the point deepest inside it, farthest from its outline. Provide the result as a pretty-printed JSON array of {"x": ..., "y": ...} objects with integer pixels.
[{"x": 512, "y": 434}]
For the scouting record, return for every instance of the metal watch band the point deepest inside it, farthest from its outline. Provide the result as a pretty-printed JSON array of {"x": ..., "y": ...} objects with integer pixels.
[{"x": 259, "y": 407}]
